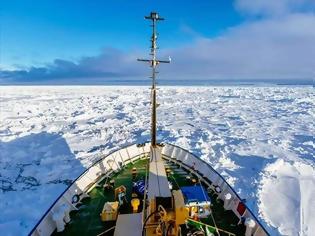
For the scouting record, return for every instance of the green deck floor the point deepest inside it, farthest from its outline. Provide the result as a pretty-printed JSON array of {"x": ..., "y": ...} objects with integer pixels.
[
  {"x": 87, "y": 220},
  {"x": 225, "y": 220}
]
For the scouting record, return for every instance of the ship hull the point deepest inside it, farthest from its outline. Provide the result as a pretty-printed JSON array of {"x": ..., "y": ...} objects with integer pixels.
[{"x": 113, "y": 163}]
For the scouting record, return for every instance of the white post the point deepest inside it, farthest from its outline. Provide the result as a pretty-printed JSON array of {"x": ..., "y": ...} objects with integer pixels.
[
  {"x": 250, "y": 225},
  {"x": 227, "y": 201},
  {"x": 58, "y": 219},
  {"x": 66, "y": 210}
]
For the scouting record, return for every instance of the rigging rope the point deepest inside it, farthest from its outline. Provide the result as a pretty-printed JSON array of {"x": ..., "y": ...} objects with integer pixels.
[
  {"x": 145, "y": 190},
  {"x": 216, "y": 228},
  {"x": 175, "y": 182}
]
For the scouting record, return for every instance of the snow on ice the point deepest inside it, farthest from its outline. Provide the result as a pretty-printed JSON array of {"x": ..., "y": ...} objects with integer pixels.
[{"x": 261, "y": 139}]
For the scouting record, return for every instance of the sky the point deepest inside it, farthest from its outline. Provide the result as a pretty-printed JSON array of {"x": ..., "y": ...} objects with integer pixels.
[{"x": 48, "y": 41}]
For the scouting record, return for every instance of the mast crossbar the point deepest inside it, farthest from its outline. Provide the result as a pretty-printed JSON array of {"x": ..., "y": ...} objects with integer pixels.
[{"x": 153, "y": 62}]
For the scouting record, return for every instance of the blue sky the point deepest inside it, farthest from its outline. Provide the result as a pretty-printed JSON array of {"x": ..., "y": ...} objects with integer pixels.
[
  {"x": 79, "y": 40},
  {"x": 70, "y": 29}
]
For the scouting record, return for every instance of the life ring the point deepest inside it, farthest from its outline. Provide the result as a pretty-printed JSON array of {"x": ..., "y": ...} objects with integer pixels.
[
  {"x": 75, "y": 198},
  {"x": 217, "y": 189}
]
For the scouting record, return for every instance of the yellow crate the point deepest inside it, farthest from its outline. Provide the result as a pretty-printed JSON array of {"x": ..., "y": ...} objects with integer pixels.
[{"x": 110, "y": 211}]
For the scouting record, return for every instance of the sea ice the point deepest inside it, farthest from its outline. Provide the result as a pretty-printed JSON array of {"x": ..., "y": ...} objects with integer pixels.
[{"x": 261, "y": 139}]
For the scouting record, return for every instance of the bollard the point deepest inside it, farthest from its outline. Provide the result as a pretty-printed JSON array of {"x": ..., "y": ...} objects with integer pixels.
[
  {"x": 227, "y": 201},
  {"x": 250, "y": 225},
  {"x": 58, "y": 219}
]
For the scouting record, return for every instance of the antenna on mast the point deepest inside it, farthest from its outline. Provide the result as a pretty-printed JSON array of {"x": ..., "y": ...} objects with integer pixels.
[{"x": 154, "y": 17}]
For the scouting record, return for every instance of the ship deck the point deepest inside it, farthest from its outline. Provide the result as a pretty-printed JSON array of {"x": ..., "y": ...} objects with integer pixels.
[{"x": 87, "y": 221}]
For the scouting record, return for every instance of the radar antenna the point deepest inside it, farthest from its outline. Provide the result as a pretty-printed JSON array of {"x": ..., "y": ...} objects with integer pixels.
[{"x": 154, "y": 17}]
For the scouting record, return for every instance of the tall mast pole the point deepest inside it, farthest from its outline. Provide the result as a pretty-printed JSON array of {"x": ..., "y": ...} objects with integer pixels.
[{"x": 154, "y": 17}]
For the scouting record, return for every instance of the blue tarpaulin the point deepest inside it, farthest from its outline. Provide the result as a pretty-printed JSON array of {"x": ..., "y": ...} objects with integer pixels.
[
  {"x": 139, "y": 187},
  {"x": 195, "y": 194}
]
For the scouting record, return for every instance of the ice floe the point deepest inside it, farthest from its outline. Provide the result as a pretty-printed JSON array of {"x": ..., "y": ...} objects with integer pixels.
[{"x": 261, "y": 139}]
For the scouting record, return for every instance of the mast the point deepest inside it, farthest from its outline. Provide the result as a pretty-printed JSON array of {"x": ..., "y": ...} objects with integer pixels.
[{"x": 154, "y": 17}]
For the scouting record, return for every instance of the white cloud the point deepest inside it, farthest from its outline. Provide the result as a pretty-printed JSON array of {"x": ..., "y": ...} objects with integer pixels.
[
  {"x": 273, "y": 7},
  {"x": 278, "y": 45},
  {"x": 270, "y": 48}
]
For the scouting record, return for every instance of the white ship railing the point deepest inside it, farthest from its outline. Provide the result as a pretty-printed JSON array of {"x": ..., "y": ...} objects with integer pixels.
[{"x": 115, "y": 161}]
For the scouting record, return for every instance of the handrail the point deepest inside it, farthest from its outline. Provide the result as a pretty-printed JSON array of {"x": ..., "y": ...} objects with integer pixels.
[
  {"x": 127, "y": 146},
  {"x": 210, "y": 226},
  {"x": 247, "y": 208},
  {"x": 106, "y": 231},
  {"x": 73, "y": 182}
]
